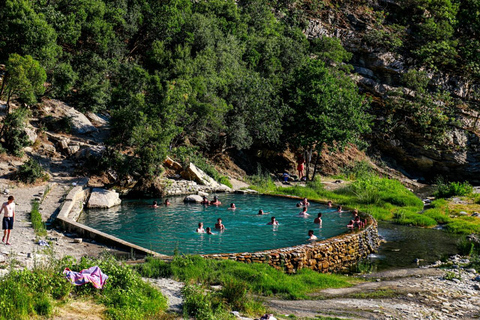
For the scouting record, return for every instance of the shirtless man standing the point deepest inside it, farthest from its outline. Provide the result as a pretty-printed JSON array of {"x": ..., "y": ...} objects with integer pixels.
[{"x": 8, "y": 209}]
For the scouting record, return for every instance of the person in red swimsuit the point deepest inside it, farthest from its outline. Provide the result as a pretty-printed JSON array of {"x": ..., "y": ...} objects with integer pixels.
[{"x": 300, "y": 167}]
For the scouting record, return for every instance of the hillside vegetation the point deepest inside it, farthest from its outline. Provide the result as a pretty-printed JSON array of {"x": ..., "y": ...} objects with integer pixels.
[{"x": 223, "y": 75}]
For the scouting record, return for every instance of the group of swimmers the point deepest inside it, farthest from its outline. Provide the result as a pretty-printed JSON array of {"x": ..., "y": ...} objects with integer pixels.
[
  {"x": 214, "y": 202},
  {"x": 219, "y": 226},
  {"x": 356, "y": 222},
  {"x": 155, "y": 203}
]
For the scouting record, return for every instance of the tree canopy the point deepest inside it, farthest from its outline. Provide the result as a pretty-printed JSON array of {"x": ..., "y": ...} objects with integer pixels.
[{"x": 216, "y": 74}]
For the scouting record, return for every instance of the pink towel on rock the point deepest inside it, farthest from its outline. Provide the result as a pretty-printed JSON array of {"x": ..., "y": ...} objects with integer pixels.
[{"x": 92, "y": 274}]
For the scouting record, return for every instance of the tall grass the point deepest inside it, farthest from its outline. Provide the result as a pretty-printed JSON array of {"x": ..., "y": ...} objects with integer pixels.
[
  {"x": 36, "y": 219},
  {"x": 256, "y": 278}
]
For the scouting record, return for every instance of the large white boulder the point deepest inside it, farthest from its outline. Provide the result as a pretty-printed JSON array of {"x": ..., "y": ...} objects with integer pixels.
[
  {"x": 191, "y": 172},
  {"x": 80, "y": 123},
  {"x": 193, "y": 198},
  {"x": 102, "y": 198}
]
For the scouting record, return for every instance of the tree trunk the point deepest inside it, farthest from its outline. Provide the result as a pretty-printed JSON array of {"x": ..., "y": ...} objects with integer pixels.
[
  {"x": 315, "y": 165},
  {"x": 9, "y": 95},
  {"x": 3, "y": 84},
  {"x": 308, "y": 160}
]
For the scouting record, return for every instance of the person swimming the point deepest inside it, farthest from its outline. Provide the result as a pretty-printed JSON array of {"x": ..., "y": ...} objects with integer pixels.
[
  {"x": 273, "y": 222},
  {"x": 329, "y": 203},
  {"x": 205, "y": 200},
  {"x": 209, "y": 231},
  {"x": 305, "y": 202},
  {"x": 304, "y": 212},
  {"x": 155, "y": 204},
  {"x": 260, "y": 212},
  {"x": 232, "y": 206},
  {"x": 219, "y": 225},
  {"x": 215, "y": 201},
  {"x": 200, "y": 228},
  {"x": 311, "y": 236},
  {"x": 339, "y": 209},
  {"x": 318, "y": 219},
  {"x": 167, "y": 202},
  {"x": 351, "y": 224}
]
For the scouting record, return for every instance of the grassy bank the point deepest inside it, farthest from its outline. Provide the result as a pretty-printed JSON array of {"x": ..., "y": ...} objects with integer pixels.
[
  {"x": 239, "y": 283},
  {"x": 383, "y": 198},
  {"x": 26, "y": 294}
]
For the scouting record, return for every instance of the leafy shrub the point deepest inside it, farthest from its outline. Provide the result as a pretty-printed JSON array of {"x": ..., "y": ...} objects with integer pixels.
[
  {"x": 446, "y": 190},
  {"x": 43, "y": 305},
  {"x": 199, "y": 304},
  {"x": 224, "y": 180},
  {"x": 63, "y": 124},
  {"x": 235, "y": 293},
  {"x": 155, "y": 268},
  {"x": 467, "y": 247},
  {"x": 13, "y": 132},
  {"x": 30, "y": 171}
]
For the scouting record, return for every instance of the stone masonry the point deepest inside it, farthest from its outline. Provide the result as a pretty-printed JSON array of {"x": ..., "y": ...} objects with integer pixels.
[{"x": 330, "y": 255}]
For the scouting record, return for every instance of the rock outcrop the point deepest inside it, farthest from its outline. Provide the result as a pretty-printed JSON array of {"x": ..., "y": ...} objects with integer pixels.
[
  {"x": 193, "y": 198},
  {"x": 102, "y": 198},
  {"x": 192, "y": 172}
]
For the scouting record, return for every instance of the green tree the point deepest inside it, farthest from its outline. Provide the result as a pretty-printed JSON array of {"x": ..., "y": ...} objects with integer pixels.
[
  {"x": 328, "y": 110},
  {"x": 12, "y": 135},
  {"x": 26, "y": 32},
  {"x": 24, "y": 79}
]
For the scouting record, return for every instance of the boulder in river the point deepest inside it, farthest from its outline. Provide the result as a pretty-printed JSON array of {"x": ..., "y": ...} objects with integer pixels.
[{"x": 102, "y": 198}]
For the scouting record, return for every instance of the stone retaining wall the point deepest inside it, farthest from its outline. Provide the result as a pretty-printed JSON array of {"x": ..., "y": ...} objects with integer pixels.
[
  {"x": 186, "y": 187},
  {"x": 330, "y": 255},
  {"x": 69, "y": 213}
]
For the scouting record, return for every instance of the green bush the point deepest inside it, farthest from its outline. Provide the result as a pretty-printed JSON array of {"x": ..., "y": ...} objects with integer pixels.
[
  {"x": 63, "y": 124},
  {"x": 235, "y": 293},
  {"x": 446, "y": 190},
  {"x": 13, "y": 135},
  {"x": 30, "y": 171}
]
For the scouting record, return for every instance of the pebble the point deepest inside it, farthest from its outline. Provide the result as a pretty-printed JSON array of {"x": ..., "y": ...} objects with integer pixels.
[{"x": 471, "y": 270}]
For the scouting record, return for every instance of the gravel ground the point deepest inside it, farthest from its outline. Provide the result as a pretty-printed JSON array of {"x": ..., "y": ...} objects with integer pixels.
[{"x": 24, "y": 248}]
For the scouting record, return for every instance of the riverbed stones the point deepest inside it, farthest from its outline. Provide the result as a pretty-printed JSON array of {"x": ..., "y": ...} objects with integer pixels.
[{"x": 102, "y": 198}]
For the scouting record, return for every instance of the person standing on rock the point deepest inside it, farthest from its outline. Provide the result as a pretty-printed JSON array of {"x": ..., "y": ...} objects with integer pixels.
[{"x": 8, "y": 209}]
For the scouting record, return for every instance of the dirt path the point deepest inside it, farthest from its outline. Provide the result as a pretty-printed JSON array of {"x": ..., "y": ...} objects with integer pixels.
[
  {"x": 24, "y": 248},
  {"x": 399, "y": 294}
]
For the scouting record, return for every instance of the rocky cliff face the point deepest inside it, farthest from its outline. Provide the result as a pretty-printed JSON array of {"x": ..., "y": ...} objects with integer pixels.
[{"x": 378, "y": 72}]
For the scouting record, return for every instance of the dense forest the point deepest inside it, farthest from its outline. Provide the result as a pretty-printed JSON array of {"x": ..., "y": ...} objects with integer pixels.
[{"x": 215, "y": 75}]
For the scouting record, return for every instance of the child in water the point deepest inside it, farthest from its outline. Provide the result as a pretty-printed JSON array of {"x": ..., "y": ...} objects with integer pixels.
[
  {"x": 311, "y": 236},
  {"x": 318, "y": 219},
  {"x": 200, "y": 228},
  {"x": 232, "y": 206},
  {"x": 209, "y": 231}
]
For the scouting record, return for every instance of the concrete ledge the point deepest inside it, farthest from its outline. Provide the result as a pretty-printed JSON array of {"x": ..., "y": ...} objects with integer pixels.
[{"x": 70, "y": 225}]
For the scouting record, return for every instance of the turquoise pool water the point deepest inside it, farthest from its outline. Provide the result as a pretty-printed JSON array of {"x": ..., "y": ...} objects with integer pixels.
[{"x": 166, "y": 229}]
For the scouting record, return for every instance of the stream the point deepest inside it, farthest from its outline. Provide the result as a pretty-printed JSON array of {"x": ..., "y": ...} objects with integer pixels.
[{"x": 409, "y": 247}]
